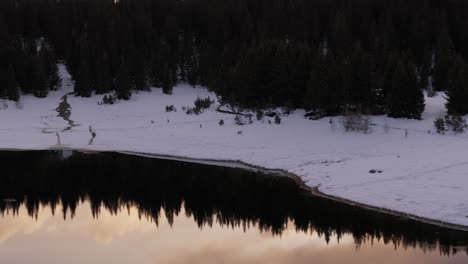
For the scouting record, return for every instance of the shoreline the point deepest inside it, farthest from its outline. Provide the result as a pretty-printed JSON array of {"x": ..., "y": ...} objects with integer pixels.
[
  {"x": 277, "y": 172},
  {"x": 313, "y": 190}
]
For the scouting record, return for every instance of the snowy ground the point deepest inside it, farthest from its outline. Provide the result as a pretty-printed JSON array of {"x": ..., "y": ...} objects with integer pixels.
[{"x": 424, "y": 174}]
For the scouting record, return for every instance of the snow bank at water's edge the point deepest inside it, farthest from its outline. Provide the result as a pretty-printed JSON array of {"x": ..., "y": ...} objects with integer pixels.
[{"x": 424, "y": 174}]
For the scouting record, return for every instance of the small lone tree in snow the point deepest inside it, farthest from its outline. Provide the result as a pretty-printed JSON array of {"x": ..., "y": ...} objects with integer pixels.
[
  {"x": 277, "y": 119},
  {"x": 439, "y": 123},
  {"x": 170, "y": 108},
  {"x": 259, "y": 114}
]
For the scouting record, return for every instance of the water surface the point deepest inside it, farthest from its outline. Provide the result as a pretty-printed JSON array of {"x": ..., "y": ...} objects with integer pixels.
[{"x": 71, "y": 207}]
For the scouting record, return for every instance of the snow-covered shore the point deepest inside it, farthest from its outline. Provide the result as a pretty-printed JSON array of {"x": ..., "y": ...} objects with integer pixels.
[{"x": 424, "y": 174}]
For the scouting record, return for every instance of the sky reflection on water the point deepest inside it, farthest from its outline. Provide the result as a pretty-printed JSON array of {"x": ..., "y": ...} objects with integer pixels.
[{"x": 124, "y": 238}]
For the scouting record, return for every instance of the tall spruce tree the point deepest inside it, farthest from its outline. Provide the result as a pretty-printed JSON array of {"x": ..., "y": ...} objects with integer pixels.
[
  {"x": 13, "y": 92},
  {"x": 443, "y": 57},
  {"x": 457, "y": 94},
  {"x": 123, "y": 83},
  {"x": 325, "y": 91},
  {"x": 50, "y": 59},
  {"x": 406, "y": 98},
  {"x": 3, "y": 88},
  {"x": 360, "y": 85},
  {"x": 168, "y": 80},
  {"x": 103, "y": 75},
  {"x": 141, "y": 75},
  {"x": 38, "y": 77},
  {"x": 83, "y": 81}
]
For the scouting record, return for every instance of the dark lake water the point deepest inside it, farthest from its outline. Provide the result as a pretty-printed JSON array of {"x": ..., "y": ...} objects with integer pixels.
[{"x": 71, "y": 207}]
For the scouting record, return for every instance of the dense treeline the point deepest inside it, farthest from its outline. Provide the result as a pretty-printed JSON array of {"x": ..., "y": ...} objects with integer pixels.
[{"x": 328, "y": 56}]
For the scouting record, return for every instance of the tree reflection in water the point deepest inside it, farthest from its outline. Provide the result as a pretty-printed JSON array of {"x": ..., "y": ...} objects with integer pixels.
[{"x": 208, "y": 194}]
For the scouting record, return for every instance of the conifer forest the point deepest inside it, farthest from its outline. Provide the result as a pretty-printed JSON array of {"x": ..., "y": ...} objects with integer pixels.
[{"x": 327, "y": 56}]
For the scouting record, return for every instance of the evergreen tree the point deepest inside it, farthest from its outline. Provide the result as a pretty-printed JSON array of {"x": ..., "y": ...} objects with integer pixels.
[
  {"x": 443, "y": 57},
  {"x": 406, "y": 98},
  {"x": 38, "y": 77},
  {"x": 141, "y": 75},
  {"x": 360, "y": 85},
  {"x": 168, "y": 79},
  {"x": 325, "y": 92},
  {"x": 123, "y": 84},
  {"x": 13, "y": 91},
  {"x": 53, "y": 79},
  {"x": 457, "y": 94},
  {"x": 83, "y": 81},
  {"x": 3, "y": 89},
  {"x": 103, "y": 76}
]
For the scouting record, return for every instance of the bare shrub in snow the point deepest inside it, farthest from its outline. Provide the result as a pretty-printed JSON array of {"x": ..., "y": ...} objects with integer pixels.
[
  {"x": 203, "y": 103},
  {"x": 439, "y": 123},
  {"x": 3, "y": 105},
  {"x": 192, "y": 110},
  {"x": 277, "y": 119},
  {"x": 259, "y": 114},
  {"x": 456, "y": 122},
  {"x": 19, "y": 105},
  {"x": 170, "y": 108},
  {"x": 287, "y": 110},
  {"x": 357, "y": 123},
  {"x": 109, "y": 99},
  {"x": 239, "y": 120}
]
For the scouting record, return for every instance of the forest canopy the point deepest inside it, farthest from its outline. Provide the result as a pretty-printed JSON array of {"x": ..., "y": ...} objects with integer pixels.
[{"x": 329, "y": 56}]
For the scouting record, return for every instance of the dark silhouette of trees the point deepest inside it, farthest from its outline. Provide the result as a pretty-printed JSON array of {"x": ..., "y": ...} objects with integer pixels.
[
  {"x": 458, "y": 88},
  {"x": 405, "y": 97},
  {"x": 12, "y": 88},
  {"x": 83, "y": 80},
  {"x": 115, "y": 182},
  {"x": 123, "y": 84},
  {"x": 253, "y": 53}
]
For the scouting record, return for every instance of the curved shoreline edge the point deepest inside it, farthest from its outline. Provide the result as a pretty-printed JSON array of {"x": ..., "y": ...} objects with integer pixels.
[
  {"x": 278, "y": 172},
  {"x": 313, "y": 190}
]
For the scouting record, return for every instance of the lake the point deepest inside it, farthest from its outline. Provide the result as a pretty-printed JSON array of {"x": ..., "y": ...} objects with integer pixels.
[{"x": 74, "y": 207}]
